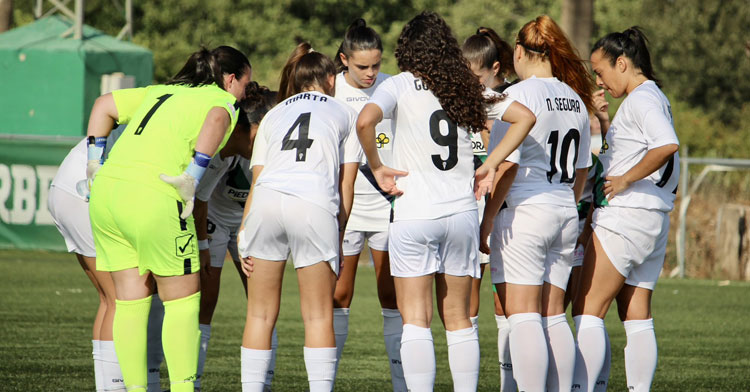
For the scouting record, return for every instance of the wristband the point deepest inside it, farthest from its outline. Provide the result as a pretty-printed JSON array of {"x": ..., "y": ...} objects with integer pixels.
[
  {"x": 96, "y": 148},
  {"x": 198, "y": 166},
  {"x": 203, "y": 244}
]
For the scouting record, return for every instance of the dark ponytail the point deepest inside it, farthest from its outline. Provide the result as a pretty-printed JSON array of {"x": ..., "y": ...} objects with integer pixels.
[
  {"x": 209, "y": 66},
  {"x": 631, "y": 43},
  {"x": 358, "y": 37},
  {"x": 305, "y": 68},
  {"x": 485, "y": 48},
  {"x": 258, "y": 101}
]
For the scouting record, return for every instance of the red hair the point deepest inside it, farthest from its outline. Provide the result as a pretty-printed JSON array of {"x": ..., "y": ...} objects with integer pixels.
[{"x": 543, "y": 37}]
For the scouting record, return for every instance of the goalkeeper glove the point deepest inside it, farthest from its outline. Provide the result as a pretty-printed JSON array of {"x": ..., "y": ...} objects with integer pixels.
[
  {"x": 186, "y": 182},
  {"x": 95, "y": 158}
]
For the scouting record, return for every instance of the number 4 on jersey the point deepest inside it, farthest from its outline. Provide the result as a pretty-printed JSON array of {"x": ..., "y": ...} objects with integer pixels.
[{"x": 302, "y": 143}]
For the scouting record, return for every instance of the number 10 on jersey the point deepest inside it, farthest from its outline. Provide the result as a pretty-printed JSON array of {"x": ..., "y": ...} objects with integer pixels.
[{"x": 564, "y": 163}]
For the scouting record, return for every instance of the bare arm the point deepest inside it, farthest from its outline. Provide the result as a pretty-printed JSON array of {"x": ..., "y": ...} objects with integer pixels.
[
  {"x": 246, "y": 262},
  {"x": 505, "y": 175},
  {"x": 580, "y": 183},
  {"x": 215, "y": 126},
  {"x": 103, "y": 116},
  {"x": 521, "y": 119},
  {"x": 368, "y": 118}
]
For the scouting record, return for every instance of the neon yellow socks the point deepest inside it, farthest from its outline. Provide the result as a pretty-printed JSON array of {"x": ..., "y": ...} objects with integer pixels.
[
  {"x": 181, "y": 339},
  {"x": 129, "y": 332}
]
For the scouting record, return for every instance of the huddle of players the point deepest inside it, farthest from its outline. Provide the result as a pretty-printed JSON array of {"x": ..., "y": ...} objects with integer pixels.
[{"x": 422, "y": 223}]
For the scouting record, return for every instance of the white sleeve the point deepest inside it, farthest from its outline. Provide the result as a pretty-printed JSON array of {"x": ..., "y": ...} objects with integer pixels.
[
  {"x": 216, "y": 169},
  {"x": 584, "y": 148},
  {"x": 656, "y": 127},
  {"x": 260, "y": 145},
  {"x": 496, "y": 110},
  {"x": 350, "y": 150},
  {"x": 386, "y": 97}
]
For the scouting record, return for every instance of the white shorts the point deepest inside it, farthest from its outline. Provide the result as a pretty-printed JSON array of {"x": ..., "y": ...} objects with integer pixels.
[
  {"x": 448, "y": 245},
  {"x": 279, "y": 224},
  {"x": 354, "y": 241},
  {"x": 533, "y": 244},
  {"x": 71, "y": 216},
  {"x": 221, "y": 239},
  {"x": 635, "y": 241}
]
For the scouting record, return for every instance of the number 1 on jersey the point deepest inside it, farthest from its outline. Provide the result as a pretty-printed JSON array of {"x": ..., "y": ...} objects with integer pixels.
[{"x": 302, "y": 143}]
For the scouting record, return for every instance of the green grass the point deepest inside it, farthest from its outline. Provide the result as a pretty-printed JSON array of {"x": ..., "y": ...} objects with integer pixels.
[{"x": 47, "y": 306}]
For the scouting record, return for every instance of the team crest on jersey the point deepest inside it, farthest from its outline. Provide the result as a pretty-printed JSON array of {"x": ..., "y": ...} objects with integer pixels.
[
  {"x": 382, "y": 140},
  {"x": 184, "y": 245},
  {"x": 605, "y": 147}
]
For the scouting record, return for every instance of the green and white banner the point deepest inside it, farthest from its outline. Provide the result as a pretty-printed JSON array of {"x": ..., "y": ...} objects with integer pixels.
[{"x": 27, "y": 167}]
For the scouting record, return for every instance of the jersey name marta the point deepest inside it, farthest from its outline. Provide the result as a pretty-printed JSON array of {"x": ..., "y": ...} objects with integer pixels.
[
  {"x": 371, "y": 210},
  {"x": 163, "y": 126},
  {"x": 225, "y": 185},
  {"x": 557, "y": 145},
  {"x": 643, "y": 122},
  {"x": 301, "y": 144},
  {"x": 436, "y": 152}
]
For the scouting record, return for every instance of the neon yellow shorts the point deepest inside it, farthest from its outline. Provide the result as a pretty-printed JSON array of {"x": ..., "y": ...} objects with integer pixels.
[{"x": 137, "y": 226}]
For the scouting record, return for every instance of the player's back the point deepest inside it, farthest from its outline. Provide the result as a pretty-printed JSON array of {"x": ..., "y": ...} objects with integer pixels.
[
  {"x": 301, "y": 144},
  {"x": 556, "y": 146}
]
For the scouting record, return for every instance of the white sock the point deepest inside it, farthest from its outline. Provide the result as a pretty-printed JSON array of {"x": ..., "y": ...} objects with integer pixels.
[
  {"x": 529, "y": 351},
  {"x": 111, "y": 373},
  {"x": 463, "y": 358},
  {"x": 603, "y": 380},
  {"x": 640, "y": 354},
  {"x": 205, "y": 337},
  {"x": 507, "y": 382},
  {"x": 392, "y": 329},
  {"x": 590, "y": 351},
  {"x": 418, "y": 358},
  {"x": 155, "y": 354},
  {"x": 321, "y": 368},
  {"x": 475, "y": 321},
  {"x": 253, "y": 368},
  {"x": 272, "y": 364},
  {"x": 96, "y": 353},
  {"x": 562, "y": 353}
]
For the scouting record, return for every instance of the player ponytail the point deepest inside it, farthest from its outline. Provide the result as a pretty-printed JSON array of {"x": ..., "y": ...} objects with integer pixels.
[
  {"x": 305, "y": 68},
  {"x": 485, "y": 48},
  {"x": 428, "y": 49},
  {"x": 258, "y": 101},
  {"x": 631, "y": 43},
  {"x": 209, "y": 66},
  {"x": 358, "y": 37},
  {"x": 543, "y": 39}
]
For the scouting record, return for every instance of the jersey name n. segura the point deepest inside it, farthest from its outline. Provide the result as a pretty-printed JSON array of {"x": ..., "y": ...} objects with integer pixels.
[
  {"x": 436, "y": 152},
  {"x": 643, "y": 122},
  {"x": 163, "y": 126},
  {"x": 226, "y": 184},
  {"x": 301, "y": 144},
  {"x": 371, "y": 210},
  {"x": 557, "y": 145}
]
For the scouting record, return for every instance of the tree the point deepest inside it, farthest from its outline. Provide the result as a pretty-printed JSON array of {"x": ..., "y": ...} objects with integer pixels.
[
  {"x": 6, "y": 15},
  {"x": 577, "y": 21}
]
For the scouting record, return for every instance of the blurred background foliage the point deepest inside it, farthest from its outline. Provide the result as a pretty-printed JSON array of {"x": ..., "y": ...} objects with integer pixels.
[{"x": 700, "y": 49}]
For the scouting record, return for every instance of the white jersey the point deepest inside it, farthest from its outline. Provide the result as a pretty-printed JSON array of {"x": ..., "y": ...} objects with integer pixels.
[
  {"x": 301, "y": 144},
  {"x": 436, "y": 152},
  {"x": 72, "y": 170},
  {"x": 371, "y": 210},
  {"x": 226, "y": 185},
  {"x": 643, "y": 122},
  {"x": 557, "y": 145}
]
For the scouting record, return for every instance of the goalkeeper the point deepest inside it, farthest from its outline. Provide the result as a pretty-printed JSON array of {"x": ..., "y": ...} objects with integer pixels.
[{"x": 142, "y": 199}]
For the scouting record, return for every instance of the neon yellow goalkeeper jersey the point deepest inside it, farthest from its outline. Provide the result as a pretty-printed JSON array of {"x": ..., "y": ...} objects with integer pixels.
[{"x": 163, "y": 126}]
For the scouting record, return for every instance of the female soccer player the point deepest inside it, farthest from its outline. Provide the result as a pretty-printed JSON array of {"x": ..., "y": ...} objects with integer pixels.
[
  {"x": 304, "y": 154},
  {"x": 358, "y": 61},
  {"x": 534, "y": 238},
  {"x": 626, "y": 251},
  {"x": 140, "y": 213},
  {"x": 220, "y": 201},
  {"x": 436, "y": 101},
  {"x": 491, "y": 60}
]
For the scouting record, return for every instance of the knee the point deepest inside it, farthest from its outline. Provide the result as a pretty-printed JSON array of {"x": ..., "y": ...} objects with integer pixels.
[
  {"x": 387, "y": 299},
  {"x": 342, "y": 298}
]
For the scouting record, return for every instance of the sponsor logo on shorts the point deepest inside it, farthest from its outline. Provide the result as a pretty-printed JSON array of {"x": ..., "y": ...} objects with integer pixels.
[{"x": 184, "y": 245}]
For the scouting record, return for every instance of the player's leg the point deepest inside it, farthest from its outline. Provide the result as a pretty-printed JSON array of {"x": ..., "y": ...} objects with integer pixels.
[
  {"x": 154, "y": 350},
  {"x": 264, "y": 295},
  {"x": 342, "y": 298},
  {"x": 392, "y": 322},
  {"x": 453, "y": 293},
  {"x": 634, "y": 306},
  {"x": 476, "y": 284},
  {"x": 507, "y": 382}
]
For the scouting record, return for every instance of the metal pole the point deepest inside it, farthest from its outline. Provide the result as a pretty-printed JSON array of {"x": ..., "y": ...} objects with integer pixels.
[
  {"x": 684, "y": 202},
  {"x": 78, "y": 33},
  {"x": 38, "y": 9}
]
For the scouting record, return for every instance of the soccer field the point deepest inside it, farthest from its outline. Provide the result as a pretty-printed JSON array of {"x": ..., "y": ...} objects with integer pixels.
[{"x": 47, "y": 307}]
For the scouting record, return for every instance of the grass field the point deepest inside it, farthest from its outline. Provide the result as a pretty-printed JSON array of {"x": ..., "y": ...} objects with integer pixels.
[{"x": 47, "y": 307}]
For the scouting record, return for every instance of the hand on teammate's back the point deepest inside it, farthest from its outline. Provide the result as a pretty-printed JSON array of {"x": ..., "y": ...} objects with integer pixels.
[
  {"x": 484, "y": 176},
  {"x": 386, "y": 178}
]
